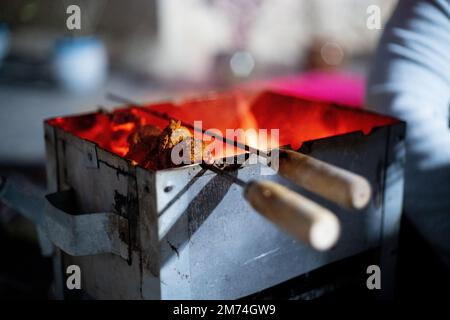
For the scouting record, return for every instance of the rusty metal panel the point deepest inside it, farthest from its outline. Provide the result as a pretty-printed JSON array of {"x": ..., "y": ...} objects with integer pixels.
[
  {"x": 102, "y": 183},
  {"x": 52, "y": 171},
  {"x": 148, "y": 234}
]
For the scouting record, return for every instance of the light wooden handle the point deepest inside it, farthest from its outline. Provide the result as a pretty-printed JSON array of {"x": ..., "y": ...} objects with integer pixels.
[
  {"x": 341, "y": 186},
  {"x": 294, "y": 213}
]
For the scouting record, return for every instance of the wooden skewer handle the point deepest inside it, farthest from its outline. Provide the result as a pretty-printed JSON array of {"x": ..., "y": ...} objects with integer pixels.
[
  {"x": 294, "y": 213},
  {"x": 341, "y": 186}
]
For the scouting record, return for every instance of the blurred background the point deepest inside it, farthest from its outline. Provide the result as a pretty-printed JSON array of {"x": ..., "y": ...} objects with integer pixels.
[{"x": 149, "y": 50}]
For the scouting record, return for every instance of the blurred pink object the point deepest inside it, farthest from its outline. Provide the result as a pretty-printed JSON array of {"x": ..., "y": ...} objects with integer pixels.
[{"x": 338, "y": 87}]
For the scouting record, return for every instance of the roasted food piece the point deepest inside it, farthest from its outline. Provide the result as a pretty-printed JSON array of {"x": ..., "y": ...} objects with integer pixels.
[
  {"x": 187, "y": 151},
  {"x": 179, "y": 137},
  {"x": 153, "y": 149},
  {"x": 173, "y": 134}
]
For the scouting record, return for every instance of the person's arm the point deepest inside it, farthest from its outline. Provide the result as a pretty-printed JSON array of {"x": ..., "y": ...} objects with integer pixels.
[{"x": 410, "y": 78}]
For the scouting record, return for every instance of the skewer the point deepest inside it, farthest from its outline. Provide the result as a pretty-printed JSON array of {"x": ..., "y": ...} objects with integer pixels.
[
  {"x": 345, "y": 188},
  {"x": 292, "y": 212},
  {"x": 225, "y": 174}
]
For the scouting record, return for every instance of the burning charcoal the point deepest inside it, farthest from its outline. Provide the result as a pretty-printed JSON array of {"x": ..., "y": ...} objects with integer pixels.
[
  {"x": 143, "y": 143},
  {"x": 149, "y": 133},
  {"x": 123, "y": 116}
]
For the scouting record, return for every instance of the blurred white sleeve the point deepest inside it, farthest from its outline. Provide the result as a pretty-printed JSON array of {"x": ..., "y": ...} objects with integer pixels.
[{"x": 410, "y": 79}]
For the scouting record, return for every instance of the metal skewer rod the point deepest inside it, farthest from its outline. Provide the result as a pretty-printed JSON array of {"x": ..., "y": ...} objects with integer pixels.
[
  {"x": 292, "y": 212},
  {"x": 225, "y": 174}
]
